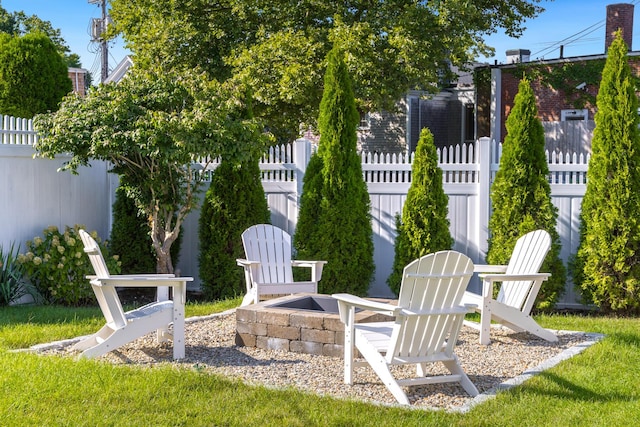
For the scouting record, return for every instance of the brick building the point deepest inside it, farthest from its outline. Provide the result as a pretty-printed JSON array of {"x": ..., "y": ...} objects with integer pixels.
[
  {"x": 565, "y": 88},
  {"x": 78, "y": 77}
]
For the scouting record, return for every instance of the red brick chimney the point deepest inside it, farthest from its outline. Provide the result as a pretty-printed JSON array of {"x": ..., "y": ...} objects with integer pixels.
[{"x": 619, "y": 16}]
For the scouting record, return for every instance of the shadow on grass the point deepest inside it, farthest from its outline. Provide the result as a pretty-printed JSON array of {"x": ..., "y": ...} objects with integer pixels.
[{"x": 567, "y": 390}]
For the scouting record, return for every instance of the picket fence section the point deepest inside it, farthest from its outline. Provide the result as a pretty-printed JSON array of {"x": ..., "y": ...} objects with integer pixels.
[
  {"x": 17, "y": 131},
  {"x": 468, "y": 170}
]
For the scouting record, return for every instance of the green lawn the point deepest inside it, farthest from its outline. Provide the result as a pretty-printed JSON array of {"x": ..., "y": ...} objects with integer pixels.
[{"x": 598, "y": 387}]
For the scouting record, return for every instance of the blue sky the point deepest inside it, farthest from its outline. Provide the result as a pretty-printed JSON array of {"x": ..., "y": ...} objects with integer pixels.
[
  {"x": 72, "y": 18},
  {"x": 563, "y": 19},
  {"x": 578, "y": 24}
]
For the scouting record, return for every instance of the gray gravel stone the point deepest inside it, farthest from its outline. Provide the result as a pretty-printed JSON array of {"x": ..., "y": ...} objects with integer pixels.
[{"x": 210, "y": 347}]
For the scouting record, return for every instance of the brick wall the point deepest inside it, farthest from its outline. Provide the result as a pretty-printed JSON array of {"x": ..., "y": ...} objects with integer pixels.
[{"x": 78, "y": 79}]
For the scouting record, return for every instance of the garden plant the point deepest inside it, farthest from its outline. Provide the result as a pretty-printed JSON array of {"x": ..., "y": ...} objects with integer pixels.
[
  {"x": 56, "y": 265},
  {"x": 13, "y": 285},
  {"x": 334, "y": 223},
  {"x": 521, "y": 195},
  {"x": 235, "y": 201},
  {"x": 151, "y": 127},
  {"x": 423, "y": 227},
  {"x": 607, "y": 264},
  {"x": 131, "y": 237}
]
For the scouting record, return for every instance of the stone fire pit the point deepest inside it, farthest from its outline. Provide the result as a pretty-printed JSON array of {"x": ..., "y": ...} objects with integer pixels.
[{"x": 301, "y": 323}]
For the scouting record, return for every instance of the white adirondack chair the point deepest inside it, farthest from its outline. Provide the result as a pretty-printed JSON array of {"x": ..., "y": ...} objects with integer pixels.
[
  {"x": 428, "y": 318},
  {"x": 520, "y": 284},
  {"x": 268, "y": 264},
  {"x": 123, "y": 327}
]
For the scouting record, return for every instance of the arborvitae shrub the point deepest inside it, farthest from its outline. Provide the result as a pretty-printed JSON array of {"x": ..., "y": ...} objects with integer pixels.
[
  {"x": 606, "y": 267},
  {"x": 335, "y": 223},
  {"x": 235, "y": 201},
  {"x": 521, "y": 195},
  {"x": 131, "y": 239},
  {"x": 423, "y": 227}
]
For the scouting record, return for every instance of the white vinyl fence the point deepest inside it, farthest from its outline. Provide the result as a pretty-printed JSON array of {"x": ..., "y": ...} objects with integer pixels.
[{"x": 36, "y": 197}]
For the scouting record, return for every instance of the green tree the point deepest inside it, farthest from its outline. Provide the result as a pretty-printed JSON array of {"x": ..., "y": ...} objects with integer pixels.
[
  {"x": 342, "y": 233},
  {"x": 521, "y": 195},
  {"x": 279, "y": 47},
  {"x": 151, "y": 128},
  {"x": 423, "y": 227},
  {"x": 33, "y": 75},
  {"x": 131, "y": 237},
  {"x": 20, "y": 24},
  {"x": 607, "y": 264},
  {"x": 235, "y": 201}
]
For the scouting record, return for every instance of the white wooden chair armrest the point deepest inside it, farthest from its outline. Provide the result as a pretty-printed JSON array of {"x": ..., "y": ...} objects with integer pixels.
[
  {"x": 514, "y": 277},
  {"x": 357, "y": 302},
  {"x": 143, "y": 281},
  {"x": 480, "y": 268},
  {"x": 315, "y": 266},
  {"x": 132, "y": 276},
  {"x": 246, "y": 263},
  {"x": 489, "y": 279}
]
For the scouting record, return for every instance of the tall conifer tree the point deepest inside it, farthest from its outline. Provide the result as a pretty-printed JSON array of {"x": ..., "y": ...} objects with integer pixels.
[
  {"x": 521, "y": 195},
  {"x": 235, "y": 201},
  {"x": 335, "y": 223},
  {"x": 424, "y": 226},
  {"x": 607, "y": 264}
]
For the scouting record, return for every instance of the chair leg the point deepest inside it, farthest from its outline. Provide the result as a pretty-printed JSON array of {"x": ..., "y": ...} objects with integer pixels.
[
  {"x": 382, "y": 369},
  {"x": 485, "y": 322},
  {"x": 454, "y": 367}
]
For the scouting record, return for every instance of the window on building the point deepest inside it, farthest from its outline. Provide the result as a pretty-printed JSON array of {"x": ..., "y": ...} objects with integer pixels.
[{"x": 365, "y": 121}]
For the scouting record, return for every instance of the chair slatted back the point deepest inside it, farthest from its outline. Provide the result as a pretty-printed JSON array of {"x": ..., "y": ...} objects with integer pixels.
[
  {"x": 434, "y": 282},
  {"x": 107, "y": 296},
  {"x": 272, "y": 247},
  {"x": 527, "y": 258}
]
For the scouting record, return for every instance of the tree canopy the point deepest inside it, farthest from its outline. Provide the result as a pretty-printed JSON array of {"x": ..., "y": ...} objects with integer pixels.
[
  {"x": 19, "y": 24},
  {"x": 33, "y": 76},
  {"x": 151, "y": 128},
  {"x": 279, "y": 47}
]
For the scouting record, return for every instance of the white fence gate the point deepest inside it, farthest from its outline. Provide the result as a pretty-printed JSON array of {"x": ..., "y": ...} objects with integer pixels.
[{"x": 34, "y": 196}]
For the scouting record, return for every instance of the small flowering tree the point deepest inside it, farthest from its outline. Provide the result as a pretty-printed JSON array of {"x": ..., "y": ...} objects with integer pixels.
[
  {"x": 152, "y": 128},
  {"x": 57, "y": 266}
]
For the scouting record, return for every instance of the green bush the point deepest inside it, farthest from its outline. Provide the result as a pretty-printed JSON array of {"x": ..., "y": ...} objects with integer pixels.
[
  {"x": 131, "y": 239},
  {"x": 334, "y": 223},
  {"x": 57, "y": 266},
  {"x": 235, "y": 201},
  {"x": 521, "y": 195},
  {"x": 606, "y": 267},
  {"x": 423, "y": 227},
  {"x": 33, "y": 75},
  {"x": 12, "y": 284}
]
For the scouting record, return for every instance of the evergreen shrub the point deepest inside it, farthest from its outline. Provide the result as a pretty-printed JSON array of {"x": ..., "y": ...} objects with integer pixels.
[
  {"x": 606, "y": 267},
  {"x": 423, "y": 227},
  {"x": 234, "y": 201},
  {"x": 521, "y": 195},
  {"x": 131, "y": 239},
  {"x": 334, "y": 221}
]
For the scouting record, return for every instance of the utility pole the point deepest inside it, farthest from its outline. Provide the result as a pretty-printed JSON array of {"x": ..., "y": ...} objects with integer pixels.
[{"x": 98, "y": 27}]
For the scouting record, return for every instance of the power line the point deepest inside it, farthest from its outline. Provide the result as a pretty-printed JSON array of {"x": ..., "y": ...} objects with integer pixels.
[{"x": 572, "y": 39}]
